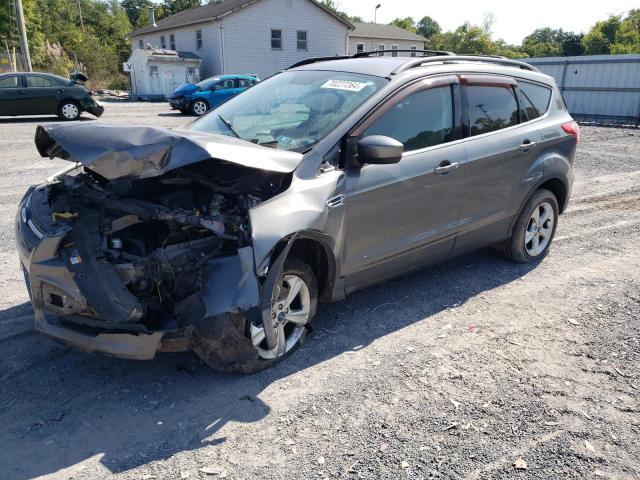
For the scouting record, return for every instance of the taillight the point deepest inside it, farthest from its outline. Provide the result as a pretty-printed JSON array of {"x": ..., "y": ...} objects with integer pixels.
[{"x": 572, "y": 128}]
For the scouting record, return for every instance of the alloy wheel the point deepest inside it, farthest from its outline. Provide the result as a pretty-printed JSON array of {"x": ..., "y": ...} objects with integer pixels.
[
  {"x": 199, "y": 108},
  {"x": 290, "y": 312},
  {"x": 539, "y": 229}
]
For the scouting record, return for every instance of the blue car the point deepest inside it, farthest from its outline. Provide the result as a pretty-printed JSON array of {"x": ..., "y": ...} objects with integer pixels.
[{"x": 209, "y": 93}]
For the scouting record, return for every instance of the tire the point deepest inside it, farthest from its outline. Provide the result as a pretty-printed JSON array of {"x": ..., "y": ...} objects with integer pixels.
[
  {"x": 245, "y": 351},
  {"x": 199, "y": 107},
  {"x": 69, "y": 110},
  {"x": 534, "y": 229}
]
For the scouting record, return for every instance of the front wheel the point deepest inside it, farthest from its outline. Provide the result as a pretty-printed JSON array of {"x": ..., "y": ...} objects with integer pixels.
[
  {"x": 534, "y": 229},
  {"x": 199, "y": 107}
]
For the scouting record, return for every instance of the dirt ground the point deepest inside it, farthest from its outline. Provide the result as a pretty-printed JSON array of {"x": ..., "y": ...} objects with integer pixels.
[{"x": 456, "y": 371}]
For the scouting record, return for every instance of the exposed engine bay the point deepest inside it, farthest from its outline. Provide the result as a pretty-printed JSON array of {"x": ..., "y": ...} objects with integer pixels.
[{"x": 138, "y": 246}]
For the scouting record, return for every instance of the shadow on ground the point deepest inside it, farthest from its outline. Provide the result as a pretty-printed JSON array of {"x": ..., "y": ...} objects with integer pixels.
[
  {"x": 62, "y": 407},
  {"x": 43, "y": 119}
]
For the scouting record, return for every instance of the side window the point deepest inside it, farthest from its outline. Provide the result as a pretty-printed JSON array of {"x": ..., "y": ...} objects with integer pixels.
[
  {"x": 163, "y": 42},
  {"x": 225, "y": 84},
  {"x": 172, "y": 41},
  {"x": 9, "y": 82},
  {"x": 394, "y": 47},
  {"x": 413, "y": 51},
  {"x": 421, "y": 120},
  {"x": 535, "y": 99},
  {"x": 491, "y": 108},
  {"x": 37, "y": 81},
  {"x": 198, "y": 39},
  {"x": 359, "y": 47},
  {"x": 244, "y": 83},
  {"x": 301, "y": 40},
  {"x": 380, "y": 48}
]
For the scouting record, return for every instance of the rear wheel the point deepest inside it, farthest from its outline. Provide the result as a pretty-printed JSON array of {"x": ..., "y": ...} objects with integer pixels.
[
  {"x": 199, "y": 107},
  {"x": 534, "y": 229},
  {"x": 69, "y": 110}
]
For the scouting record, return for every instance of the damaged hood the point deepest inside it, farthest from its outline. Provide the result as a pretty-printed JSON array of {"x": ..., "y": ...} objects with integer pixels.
[{"x": 115, "y": 151}]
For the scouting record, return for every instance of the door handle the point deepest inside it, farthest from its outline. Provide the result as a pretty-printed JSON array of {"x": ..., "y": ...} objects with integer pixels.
[
  {"x": 60, "y": 91},
  {"x": 527, "y": 145},
  {"x": 445, "y": 167}
]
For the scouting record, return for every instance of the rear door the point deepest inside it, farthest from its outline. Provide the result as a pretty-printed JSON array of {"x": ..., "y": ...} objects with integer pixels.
[
  {"x": 403, "y": 215},
  {"x": 499, "y": 149},
  {"x": 12, "y": 95},
  {"x": 43, "y": 93}
]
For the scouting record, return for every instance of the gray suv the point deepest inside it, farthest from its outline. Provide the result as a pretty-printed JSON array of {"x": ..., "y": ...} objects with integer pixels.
[{"x": 222, "y": 236}]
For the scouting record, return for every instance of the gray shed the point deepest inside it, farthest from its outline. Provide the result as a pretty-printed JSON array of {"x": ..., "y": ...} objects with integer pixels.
[{"x": 156, "y": 72}]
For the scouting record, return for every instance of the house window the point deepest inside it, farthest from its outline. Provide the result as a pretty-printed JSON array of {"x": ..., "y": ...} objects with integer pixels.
[
  {"x": 302, "y": 40},
  {"x": 163, "y": 42},
  {"x": 140, "y": 44},
  {"x": 198, "y": 39},
  {"x": 359, "y": 47},
  {"x": 276, "y": 39},
  {"x": 413, "y": 51},
  {"x": 395, "y": 53},
  {"x": 172, "y": 41},
  {"x": 380, "y": 48}
]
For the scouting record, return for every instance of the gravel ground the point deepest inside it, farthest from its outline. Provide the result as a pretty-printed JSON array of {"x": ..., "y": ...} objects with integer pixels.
[{"x": 457, "y": 371}]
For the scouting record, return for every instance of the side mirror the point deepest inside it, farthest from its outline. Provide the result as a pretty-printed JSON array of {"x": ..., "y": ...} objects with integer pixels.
[{"x": 379, "y": 150}]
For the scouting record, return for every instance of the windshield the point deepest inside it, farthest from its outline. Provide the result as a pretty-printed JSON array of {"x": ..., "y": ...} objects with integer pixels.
[
  {"x": 291, "y": 110},
  {"x": 208, "y": 83}
]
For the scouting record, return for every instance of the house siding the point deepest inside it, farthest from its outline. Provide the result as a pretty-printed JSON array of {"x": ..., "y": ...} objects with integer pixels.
[
  {"x": 247, "y": 36},
  {"x": 186, "y": 42},
  {"x": 371, "y": 44}
]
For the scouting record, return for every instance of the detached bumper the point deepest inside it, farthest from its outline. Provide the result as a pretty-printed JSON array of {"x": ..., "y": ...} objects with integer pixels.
[
  {"x": 92, "y": 106},
  {"x": 179, "y": 103},
  {"x": 124, "y": 345}
]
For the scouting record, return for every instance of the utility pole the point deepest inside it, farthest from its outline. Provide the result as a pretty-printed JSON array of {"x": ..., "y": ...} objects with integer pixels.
[
  {"x": 81, "y": 21},
  {"x": 375, "y": 13},
  {"x": 22, "y": 34}
]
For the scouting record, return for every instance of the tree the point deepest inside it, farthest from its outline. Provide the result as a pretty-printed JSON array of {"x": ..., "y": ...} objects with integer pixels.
[
  {"x": 428, "y": 27},
  {"x": 572, "y": 44},
  {"x": 544, "y": 42},
  {"x": 135, "y": 8},
  {"x": 406, "y": 23},
  {"x": 171, "y": 7}
]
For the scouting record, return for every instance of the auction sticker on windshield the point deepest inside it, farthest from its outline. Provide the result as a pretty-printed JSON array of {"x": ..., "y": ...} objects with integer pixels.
[{"x": 344, "y": 85}]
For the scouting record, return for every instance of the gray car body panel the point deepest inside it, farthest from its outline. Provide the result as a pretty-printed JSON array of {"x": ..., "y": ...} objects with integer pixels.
[{"x": 375, "y": 221}]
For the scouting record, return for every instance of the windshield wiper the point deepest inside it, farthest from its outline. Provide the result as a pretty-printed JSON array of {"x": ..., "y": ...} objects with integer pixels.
[{"x": 227, "y": 124}]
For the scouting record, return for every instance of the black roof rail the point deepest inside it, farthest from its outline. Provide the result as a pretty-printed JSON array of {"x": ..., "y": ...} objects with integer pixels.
[
  {"x": 308, "y": 61},
  {"x": 425, "y": 53},
  {"x": 418, "y": 62}
]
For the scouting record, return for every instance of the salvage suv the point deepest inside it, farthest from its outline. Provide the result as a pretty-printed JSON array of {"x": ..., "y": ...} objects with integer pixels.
[{"x": 222, "y": 236}]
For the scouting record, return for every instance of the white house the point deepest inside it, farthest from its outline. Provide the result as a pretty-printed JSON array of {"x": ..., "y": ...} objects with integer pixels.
[
  {"x": 368, "y": 37},
  {"x": 156, "y": 73},
  {"x": 249, "y": 36}
]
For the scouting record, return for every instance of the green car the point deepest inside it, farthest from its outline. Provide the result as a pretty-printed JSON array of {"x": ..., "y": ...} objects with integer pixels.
[{"x": 44, "y": 94}]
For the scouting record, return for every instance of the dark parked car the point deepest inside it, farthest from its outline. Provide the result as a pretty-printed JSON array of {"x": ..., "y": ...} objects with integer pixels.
[
  {"x": 45, "y": 94},
  {"x": 222, "y": 236},
  {"x": 209, "y": 93}
]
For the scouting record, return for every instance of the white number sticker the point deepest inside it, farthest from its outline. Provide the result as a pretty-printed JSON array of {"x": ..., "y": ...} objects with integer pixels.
[{"x": 344, "y": 85}]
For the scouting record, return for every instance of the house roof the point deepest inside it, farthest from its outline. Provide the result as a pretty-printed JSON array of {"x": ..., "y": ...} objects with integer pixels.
[
  {"x": 212, "y": 12},
  {"x": 391, "y": 32}
]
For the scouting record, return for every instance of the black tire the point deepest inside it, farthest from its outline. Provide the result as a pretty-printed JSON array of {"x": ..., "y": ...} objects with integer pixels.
[
  {"x": 516, "y": 249},
  {"x": 196, "y": 107},
  {"x": 69, "y": 110},
  {"x": 220, "y": 351}
]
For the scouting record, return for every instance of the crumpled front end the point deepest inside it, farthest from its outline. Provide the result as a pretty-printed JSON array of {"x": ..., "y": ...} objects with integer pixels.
[{"x": 131, "y": 266}]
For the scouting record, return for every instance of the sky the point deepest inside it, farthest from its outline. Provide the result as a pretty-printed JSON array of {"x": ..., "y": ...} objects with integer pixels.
[{"x": 513, "y": 20}]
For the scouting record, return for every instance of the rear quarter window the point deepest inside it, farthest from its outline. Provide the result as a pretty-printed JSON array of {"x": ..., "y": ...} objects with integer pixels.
[
  {"x": 9, "y": 82},
  {"x": 535, "y": 99},
  {"x": 491, "y": 108}
]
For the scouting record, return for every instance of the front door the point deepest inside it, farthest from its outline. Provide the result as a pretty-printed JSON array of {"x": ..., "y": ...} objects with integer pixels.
[
  {"x": 12, "y": 95},
  {"x": 404, "y": 215},
  {"x": 43, "y": 93}
]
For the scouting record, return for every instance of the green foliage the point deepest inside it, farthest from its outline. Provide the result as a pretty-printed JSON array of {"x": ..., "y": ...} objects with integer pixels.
[
  {"x": 617, "y": 34},
  {"x": 428, "y": 27},
  {"x": 405, "y": 23},
  {"x": 170, "y": 7}
]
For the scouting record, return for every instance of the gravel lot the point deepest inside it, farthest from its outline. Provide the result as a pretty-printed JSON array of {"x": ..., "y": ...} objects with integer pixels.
[{"x": 456, "y": 371}]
